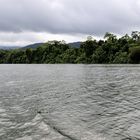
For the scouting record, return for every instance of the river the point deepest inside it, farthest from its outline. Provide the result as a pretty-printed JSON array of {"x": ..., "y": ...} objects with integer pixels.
[{"x": 69, "y": 102}]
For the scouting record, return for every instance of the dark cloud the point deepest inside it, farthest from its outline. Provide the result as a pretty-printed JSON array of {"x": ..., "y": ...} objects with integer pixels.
[{"x": 69, "y": 17}]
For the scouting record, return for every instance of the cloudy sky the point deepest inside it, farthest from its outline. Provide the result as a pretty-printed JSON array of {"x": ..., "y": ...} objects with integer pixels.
[{"x": 28, "y": 21}]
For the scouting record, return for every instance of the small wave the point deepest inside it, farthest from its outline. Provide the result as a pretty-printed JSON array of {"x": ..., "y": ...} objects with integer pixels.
[
  {"x": 12, "y": 83},
  {"x": 92, "y": 136},
  {"x": 39, "y": 130},
  {"x": 42, "y": 129}
]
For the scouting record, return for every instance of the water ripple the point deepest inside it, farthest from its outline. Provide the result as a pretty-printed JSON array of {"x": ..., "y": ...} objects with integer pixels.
[{"x": 69, "y": 102}]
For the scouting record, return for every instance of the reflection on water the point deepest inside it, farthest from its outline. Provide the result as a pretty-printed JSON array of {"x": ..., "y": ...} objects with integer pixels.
[{"x": 69, "y": 102}]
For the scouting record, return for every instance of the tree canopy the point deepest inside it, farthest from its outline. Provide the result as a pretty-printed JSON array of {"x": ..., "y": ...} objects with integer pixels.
[{"x": 123, "y": 50}]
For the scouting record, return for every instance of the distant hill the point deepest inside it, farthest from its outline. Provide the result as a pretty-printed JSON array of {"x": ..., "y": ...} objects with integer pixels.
[
  {"x": 75, "y": 44},
  {"x": 33, "y": 46}
]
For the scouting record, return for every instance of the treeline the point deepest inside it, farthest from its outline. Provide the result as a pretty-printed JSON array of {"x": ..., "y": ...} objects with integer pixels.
[{"x": 111, "y": 50}]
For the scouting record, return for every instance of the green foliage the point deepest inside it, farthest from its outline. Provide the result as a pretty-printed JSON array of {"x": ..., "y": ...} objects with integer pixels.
[
  {"x": 111, "y": 50},
  {"x": 100, "y": 56},
  {"x": 3, "y": 56},
  {"x": 121, "y": 58},
  {"x": 134, "y": 56},
  {"x": 89, "y": 47}
]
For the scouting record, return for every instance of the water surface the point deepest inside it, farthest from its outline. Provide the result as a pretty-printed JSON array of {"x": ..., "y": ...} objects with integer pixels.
[{"x": 69, "y": 102}]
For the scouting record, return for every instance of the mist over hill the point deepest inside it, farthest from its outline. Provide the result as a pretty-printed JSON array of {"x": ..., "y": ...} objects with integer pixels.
[{"x": 9, "y": 47}]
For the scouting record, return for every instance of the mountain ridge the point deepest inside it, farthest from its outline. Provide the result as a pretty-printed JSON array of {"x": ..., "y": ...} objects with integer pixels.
[{"x": 35, "y": 45}]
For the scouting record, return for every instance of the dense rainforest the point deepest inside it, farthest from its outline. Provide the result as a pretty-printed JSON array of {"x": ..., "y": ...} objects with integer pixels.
[{"x": 110, "y": 50}]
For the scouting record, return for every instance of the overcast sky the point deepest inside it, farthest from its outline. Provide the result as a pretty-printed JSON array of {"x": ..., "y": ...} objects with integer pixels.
[{"x": 28, "y": 21}]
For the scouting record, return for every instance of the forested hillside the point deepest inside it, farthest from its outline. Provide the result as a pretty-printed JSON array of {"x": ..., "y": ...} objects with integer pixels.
[{"x": 108, "y": 51}]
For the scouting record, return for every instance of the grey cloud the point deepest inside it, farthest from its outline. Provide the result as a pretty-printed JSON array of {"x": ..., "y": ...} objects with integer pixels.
[{"x": 69, "y": 17}]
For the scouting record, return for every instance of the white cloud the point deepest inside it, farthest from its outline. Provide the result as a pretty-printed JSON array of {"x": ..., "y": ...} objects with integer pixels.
[
  {"x": 25, "y": 38},
  {"x": 68, "y": 17}
]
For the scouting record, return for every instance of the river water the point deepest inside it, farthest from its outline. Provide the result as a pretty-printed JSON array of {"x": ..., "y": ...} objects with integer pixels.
[{"x": 69, "y": 102}]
